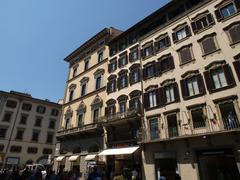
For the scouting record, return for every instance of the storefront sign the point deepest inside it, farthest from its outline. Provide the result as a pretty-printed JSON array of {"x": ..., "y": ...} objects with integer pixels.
[{"x": 12, "y": 160}]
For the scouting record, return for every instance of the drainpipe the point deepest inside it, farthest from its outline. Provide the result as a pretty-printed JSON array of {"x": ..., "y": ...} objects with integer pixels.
[{"x": 12, "y": 130}]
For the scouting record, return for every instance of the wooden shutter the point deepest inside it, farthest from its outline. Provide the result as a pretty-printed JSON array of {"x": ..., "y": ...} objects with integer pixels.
[
  {"x": 184, "y": 88},
  {"x": 229, "y": 75},
  {"x": 118, "y": 82},
  {"x": 108, "y": 87},
  {"x": 144, "y": 74},
  {"x": 151, "y": 49},
  {"x": 174, "y": 37},
  {"x": 188, "y": 32},
  {"x": 126, "y": 56},
  {"x": 130, "y": 78},
  {"x": 146, "y": 100},
  {"x": 176, "y": 92},
  {"x": 126, "y": 78},
  {"x": 236, "y": 65},
  {"x": 208, "y": 80},
  {"x": 154, "y": 64},
  {"x": 168, "y": 41},
  {"x": 162, "y": 96},
  {"x": 185, "y": 54},
  {"x": 194, "y": 27},
  {"x": 171, "y": 62},
  {"x": 158, "y": 68},
  {"x": 237, "y": 4},
  {"x": 106, "y": 111},
  {"x": 208, "y": 45},
  {"x": 115, "y": 84},
  {"x": 158, "y": 96},
  {"x": 210, "y": 19},
  {"x": 201, "y": 84},
  {"x": 234, "y": 33},
  {"x": 142, "y": 53},
  {"x": 218, "y": 15},
  {"x": 109, "y": 68},
  {"x": 156, "y": 47},
  {"x": 130, "y": 57}
]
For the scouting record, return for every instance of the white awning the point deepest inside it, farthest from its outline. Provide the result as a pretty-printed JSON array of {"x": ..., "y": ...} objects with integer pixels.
[
  {"x": 73, "y": 158},
  {"x": 60, "y": 158},
  {"x": 90, "y": 157},
  {"x": 117, "y": 151}
]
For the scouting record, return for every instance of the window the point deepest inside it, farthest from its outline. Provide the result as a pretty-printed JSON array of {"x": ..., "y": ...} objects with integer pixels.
[
  {"x": 169, "y": 92},
  {"x": 35, "y": 136},
  {"x": 74, "y": 72},
  {"x": 181, "y": 33},
  {"x": 112, "y": 66},
  {"x": 198, "y": 118},
  {"x": 71, "y": 94},
  {"x": 185, "y": 54},
  {"x": 52, "y": 124},
  {"x": 123, "y": 44},
  {"x": 154, "y": 130},
  {"x": 233, "y": 32},
  {"x": 172, "y": 125},
  {"x": 54, "y": 112},
  {"x": 86, "y": 64},
  {"x": 1, "y": 147},
  {"x": 166, "y": 63},
  {"x": 96, "y": 115},
  {"x": 152, "y": 99},
  {"x": 236, "y": 65},
  {"x": 47, "y": 151},
  {"x": 23, "y": 119},
  {"x": 7, "y": 116},
  {"x": 11, "y": 104},
  {"x": 162, "y": 43},
  {"x": 100, "y": 56},
  {"x": 122, "y": 107},
  {"x": 26, "y": 107},
  {"x": 15, "y": 149},
  {"x": 122, "y": 61},
  {"x": 147, "y": 51},
  {"x": 41, "y": 109},
  {"x": 134, "y": 104},
  {"x": 84, "y": 89},
  {"x": 113, "y": 50},
  {"x": 19, "y": 135},
  {"x": 111, "y": 86},
  {"x": 38, "y": 121},
  {"x": 149, "y": 70},
  {"x": 218, "y": 78},
  {"x": 32, "y": 150},
  {"x": 202, "y": 22},
  {"x": 122, "y": 81},
  {"x": 226, "y": 11},
  {"x": 67, "y": 124},
  {"x": 110, "y": 110},
  {"x": 80, "y": 120},
  {"x": 192, "y": 86},
  {"x": 133, "y": 55},
  {"x": 134, "y": 76},
  {"x": 208, "y": 44},
  {"x": 49, "y": 138},
  {"x": 98, "y": 82},
  {"x": 3, "y": 131}
]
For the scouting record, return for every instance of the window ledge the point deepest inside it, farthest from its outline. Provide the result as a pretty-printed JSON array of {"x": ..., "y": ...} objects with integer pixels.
[
  {"x": 217, "y": 50},
  {"x": 194, "y": 96},
  {"x": 181, "y": 40},
  {"x": 223, "y": 88},
  {"x": 161, "y": 49},
  {"x": 204, "y": 29},
  {"x": 234, "y": 43},
  {"x": 146, "y": 57},
  {"x": 182, "y": 64},
  {"x": 230, "y": 17}
]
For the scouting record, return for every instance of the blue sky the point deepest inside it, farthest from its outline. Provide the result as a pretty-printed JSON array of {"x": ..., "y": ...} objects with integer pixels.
[{"x": 36, "y": 35}]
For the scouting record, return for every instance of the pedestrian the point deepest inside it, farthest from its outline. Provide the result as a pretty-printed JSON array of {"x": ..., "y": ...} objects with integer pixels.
[{"x": 94, "y": 175}]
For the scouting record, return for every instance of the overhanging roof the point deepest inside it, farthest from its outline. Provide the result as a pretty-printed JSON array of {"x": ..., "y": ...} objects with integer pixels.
[{"x": 118, "y": 151}]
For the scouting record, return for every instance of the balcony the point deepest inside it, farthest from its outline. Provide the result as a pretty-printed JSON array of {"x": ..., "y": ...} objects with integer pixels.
[
  {"x": 129, "y": 115},
  {"x": 83, "y": 129},
  {"x": 178, "y": 129}
]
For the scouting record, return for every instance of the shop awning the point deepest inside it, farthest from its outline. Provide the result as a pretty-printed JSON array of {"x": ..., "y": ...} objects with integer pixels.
[
  {"x": 73, "y": 158},
  {"x": 90, "y": 157},
  {"x": 60, "y": 158},
  {"x": 118, "y": 151}
]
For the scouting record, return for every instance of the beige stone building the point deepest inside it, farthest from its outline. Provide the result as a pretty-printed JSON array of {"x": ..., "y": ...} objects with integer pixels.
[
  {"x": 80, "y": 134},
  {"x": 27, "y": 129},
  {"x": 171, "y": 103}
]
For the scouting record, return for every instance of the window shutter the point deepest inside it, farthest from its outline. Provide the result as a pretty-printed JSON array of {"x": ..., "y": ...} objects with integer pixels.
[
  {"x": 151, "y": 49},
  {"x": 234, "y": 33},
  {"x": 130, "y": 78},
  {"x": 194, "y": 27},
  {"x": 118, "y": 82},
  {"x": 146, "y": 100},
  {"x": 176, "y": 92},
  {"x": 171, "y": 62},
  {"x": 229, "y": 75},
  {"x": 237, "y": 4},
  {"x": 142, "y": 53},
  {"x": 139, "y": 75},
  {"x": 161, "y": 96},
  {"x": 131, "y": 104},
  {"x": 119, "y": 62},
  {"x": 174, "y": 37},
  {"x": 154, "y": 64},
  {"x": 218, "y": 15},
  {"x": 115, "y": 62},
  {"x": 210, "y": 19},
  {"x": 188, "y": 32},
  {"x": 108, "y": 87},
  {"x": 158, "y": 68},
  {"x": 158, "y": 96},
  {"x": 236, "y": 65},
  {"x": 126, "y": 77},
  {"x": 168, "y": 42},
  {"x": 114, "y": 109},
  {"x": 144, "y": 73},
  {"x": 106, "y": 111},
  {"x": 208, "y": 81},
  {"x": 130, "y": 57},
  {"x": 156, "y": 47},
  {"x": 201, "y": 84},
  {"x": 126, "y": 58},
  {"x": 184, "y": 88},
  {"x": 208, "y": 45},
  {"x": 109, "y": 68},
  {"x": 115, "y": 84}
]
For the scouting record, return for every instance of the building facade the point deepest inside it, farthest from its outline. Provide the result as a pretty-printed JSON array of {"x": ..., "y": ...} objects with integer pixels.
[
  {"x": 171, "y": 103},
  {"x": 80, "y": 134},
  {"x": 27, "y": 129}
]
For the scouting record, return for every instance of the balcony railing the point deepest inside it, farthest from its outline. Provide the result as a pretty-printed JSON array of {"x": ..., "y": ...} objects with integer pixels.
[
  {"x": 192, "y": 129},
  {"x": 121, "y": 116},
  {"x": 82, "y": 128}
]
